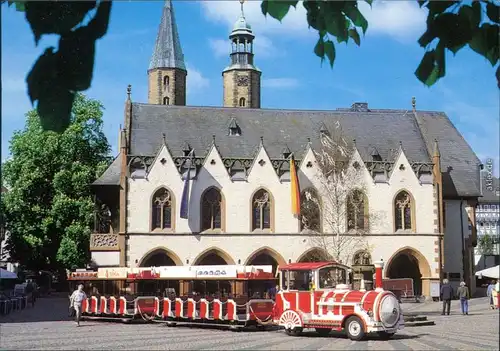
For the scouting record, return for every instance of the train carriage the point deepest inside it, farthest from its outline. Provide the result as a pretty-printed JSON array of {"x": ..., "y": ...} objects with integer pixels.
[
  {"x": 318, "y": 295},
  {"x": 230, "y": 296}
]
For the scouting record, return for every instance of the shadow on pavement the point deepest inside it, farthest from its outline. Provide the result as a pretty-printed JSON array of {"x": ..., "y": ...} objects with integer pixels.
[
  {"x": 46, "y": 310},
  {"x": 340, "y": 335}
]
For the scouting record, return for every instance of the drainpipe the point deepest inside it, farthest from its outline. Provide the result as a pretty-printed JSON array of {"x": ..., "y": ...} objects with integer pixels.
[{"x": 463, "y": 237}]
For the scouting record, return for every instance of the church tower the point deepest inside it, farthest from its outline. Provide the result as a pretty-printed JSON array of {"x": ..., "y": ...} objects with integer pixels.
[
  {"x": 241, "y": 78},
  {"x": 167, "y": 71}
]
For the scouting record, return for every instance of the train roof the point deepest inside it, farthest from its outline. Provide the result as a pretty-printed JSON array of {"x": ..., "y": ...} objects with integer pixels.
[{"x": 307, "y": 266}]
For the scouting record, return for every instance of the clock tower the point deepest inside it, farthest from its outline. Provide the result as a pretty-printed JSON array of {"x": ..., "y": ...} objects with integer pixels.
[{"x": 241, "y": 78}]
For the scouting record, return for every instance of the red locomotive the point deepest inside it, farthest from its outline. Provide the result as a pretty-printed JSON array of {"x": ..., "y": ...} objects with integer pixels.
[
  {"x": 309, "y": 295},
  {"x": 317, "y": 295}
]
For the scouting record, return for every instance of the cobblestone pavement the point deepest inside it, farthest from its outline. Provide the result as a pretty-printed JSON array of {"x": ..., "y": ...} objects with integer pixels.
[{"x": 47, "y": 327}]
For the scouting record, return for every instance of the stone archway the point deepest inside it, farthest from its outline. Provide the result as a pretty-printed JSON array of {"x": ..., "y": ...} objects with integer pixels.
[
  {"x": 213, "y": 257},
  {"x": 158, "y": 257},
  {"x": 314, "y": 254},
  {"x": 265, "y": 256},
  {"x": 410, "y": 263}
]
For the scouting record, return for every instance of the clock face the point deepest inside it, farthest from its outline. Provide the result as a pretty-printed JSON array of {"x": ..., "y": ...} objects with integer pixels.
[{"x": 242, "y": 81}]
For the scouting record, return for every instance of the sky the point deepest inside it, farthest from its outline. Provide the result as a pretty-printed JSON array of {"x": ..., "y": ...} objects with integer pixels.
[{"x": 380, "y": 72}]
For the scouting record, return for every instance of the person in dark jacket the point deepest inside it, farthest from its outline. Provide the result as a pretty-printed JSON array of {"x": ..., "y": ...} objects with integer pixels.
[{"x": 446, "y": 296}]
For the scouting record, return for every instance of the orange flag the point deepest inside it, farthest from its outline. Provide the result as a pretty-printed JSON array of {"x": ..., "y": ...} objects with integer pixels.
[{"x": 295, "y": 189}]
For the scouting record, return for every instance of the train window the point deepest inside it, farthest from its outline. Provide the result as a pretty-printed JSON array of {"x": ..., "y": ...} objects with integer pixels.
[
  {"x": 297, "y": 280},
  {"x": 330, "y": 277}
]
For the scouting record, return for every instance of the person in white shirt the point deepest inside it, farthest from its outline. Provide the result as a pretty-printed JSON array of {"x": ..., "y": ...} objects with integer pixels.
[{"x": 76, "y": 300}]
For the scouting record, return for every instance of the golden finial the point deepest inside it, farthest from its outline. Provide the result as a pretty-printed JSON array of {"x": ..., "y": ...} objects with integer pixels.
[{"x": 242, "y": 2}]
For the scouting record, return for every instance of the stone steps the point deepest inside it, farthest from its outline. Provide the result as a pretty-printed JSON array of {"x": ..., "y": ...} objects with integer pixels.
[{"x": 413, "y": 320}]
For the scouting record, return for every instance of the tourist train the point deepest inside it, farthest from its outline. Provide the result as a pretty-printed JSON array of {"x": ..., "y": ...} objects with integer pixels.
[{"x": 297, "y": 296}]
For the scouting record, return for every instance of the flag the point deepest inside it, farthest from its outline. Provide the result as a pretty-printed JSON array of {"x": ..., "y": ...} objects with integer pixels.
[
  {"x": 185, "y": 191},
  {"x": 294, "y": 188}
]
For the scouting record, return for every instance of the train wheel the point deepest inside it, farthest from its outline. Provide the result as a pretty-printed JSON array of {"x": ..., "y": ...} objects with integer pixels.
[
  {"x": 292, "y": 322},
  {"x": 385, "y": 335},
  {"x": 354, "y": 329},
  {"x": 323, "y": 331}
]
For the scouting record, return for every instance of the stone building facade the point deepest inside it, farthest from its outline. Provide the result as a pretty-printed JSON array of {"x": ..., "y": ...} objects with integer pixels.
[{"x": 416, "y": 168}]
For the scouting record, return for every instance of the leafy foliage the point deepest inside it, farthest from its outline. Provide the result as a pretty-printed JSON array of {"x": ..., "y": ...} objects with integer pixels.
[
  {"x": 49, "y": 207},
  {"x": 451, "y": 25},
  {"x": 58, "y": 75},
  {"x": 486, "y": 244}
]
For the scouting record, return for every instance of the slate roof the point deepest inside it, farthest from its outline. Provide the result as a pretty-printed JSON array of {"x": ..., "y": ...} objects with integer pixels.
[
  {"x": 168, "y": 50},
  {"x": 489, "y": 195},
  {"x": 373, "y": 129},
  {"x": 111, "y": 176}
]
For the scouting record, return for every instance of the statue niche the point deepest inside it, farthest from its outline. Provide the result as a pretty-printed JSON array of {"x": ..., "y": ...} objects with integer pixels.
[{"x": 363, "y": 269}]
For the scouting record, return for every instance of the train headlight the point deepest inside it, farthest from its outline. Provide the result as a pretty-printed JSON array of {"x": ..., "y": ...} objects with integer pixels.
[{"x": 389, "y": 311}]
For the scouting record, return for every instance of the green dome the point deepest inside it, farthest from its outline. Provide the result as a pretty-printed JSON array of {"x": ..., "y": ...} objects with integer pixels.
[{"x": 241, "y": 23}]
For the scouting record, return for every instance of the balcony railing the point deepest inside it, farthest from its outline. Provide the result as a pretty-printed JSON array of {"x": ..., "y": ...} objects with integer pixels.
[{"x": 104, "y": 242}]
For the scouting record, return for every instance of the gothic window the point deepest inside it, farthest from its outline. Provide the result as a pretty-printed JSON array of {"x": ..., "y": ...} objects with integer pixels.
[
  {"x": 166, "y": 100},
  {"x": 356, "y": 210},
  {"x": 310, "y": 211},
  {"x": 242, "y": 102},
  {"x": 211, "y": 210},
  {"x": 403, "y": 211},
  {"x": 162, "y": 210},
  {"x": 166, "y": 83},
  {"x": 261, "y": 210}
]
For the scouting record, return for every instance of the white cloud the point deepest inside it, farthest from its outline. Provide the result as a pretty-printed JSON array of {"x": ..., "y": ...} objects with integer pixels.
[
  {"x": 195, "y": 80},
  {"x": 263, "y": 47},
  {"x": 402, "y": 20},
  {"x": 229, "y": 11},
  {"x": 280, "y": 83}
]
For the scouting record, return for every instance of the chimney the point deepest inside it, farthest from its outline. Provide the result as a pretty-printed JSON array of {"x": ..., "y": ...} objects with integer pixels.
[
  {"x": 360, "y": 107},
  {"x": 379, "y": 265}
]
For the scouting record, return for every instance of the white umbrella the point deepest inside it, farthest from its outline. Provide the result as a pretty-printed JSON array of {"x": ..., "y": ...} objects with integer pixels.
[
  {"x": 492, "y": 272},
  {"x": 4, "y": 274}
]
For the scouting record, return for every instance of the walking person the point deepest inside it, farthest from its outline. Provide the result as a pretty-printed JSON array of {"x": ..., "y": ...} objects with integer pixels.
[
  {"x": 463, "y": 295},
  {"x": 75, "y": 301},
  {"x": 446, "y": 296},
  {"x": 490, "y": 292}
]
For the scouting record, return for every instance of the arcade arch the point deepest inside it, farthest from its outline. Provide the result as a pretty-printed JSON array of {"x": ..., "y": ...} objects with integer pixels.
[
  {"x": 160, "y": 256},
  {"x": 213, "y": 257},
  {"x": 409, "y": 263},
  {"x": 314, "y": 254},
  {"x": 265, "y": 256}
]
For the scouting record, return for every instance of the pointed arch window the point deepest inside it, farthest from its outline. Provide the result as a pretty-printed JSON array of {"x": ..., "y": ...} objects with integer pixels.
[
  {"x": 403, "y": 211},
  {"x": 242, "y": 102},
  {"x": 310, "y": 211},
  {"x": 166, "y": 100},
  {"x": 211, "y": 210},
  {"x": 162, "y": 210},
  {"x": 356, "y": 211},
  {"x": 261, "y": 210}
]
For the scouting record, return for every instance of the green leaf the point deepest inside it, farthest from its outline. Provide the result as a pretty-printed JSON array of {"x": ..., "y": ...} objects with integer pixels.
[
  {"x": 485, "y": 42},
  {"x": 369, "y": 2},
  {"x": 498, "y": 76},
  {"x": 76, "y": 57},
  {"x": 277, "y": 8},
  {"x": 329, "y": 49},
  {"x": 438, "y": 7},
  {"x": 54, "y": 108},
  {"x": 337, "y": 25},
  {"x": 493, "y": 12},
  {"x": 353, "y": 33},
  {"x": 44, "y": 70},
  {"x": 427, "y": 72},
  {"x": 20, "y": 6},
  {"x": 319, "y": 49},
  {"x": 55, "y": 17},
  {"x": 352, "y": 11}
]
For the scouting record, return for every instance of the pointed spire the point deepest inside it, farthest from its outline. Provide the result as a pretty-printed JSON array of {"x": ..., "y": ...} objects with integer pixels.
[
  {"x": 168, "y": 51},
  {"x": 436, "y": 149}
]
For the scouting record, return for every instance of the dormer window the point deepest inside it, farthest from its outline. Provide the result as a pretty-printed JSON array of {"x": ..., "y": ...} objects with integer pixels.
[
  {"x": 234, "y": 128},
  {"x": 286, "y": 153},
  {"x": 375, "y": 155}
]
